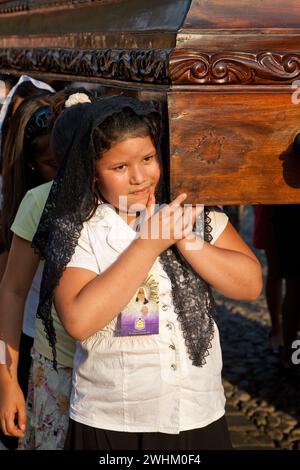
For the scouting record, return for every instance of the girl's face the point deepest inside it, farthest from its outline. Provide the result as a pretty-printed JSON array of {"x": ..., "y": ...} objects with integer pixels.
[
  {"x": 46, "y": 167},
  {"x": 129, "y": 168}
]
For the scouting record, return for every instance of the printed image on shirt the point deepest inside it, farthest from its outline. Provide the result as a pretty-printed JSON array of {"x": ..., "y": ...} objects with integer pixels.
[{"x": 141, "y": 315}]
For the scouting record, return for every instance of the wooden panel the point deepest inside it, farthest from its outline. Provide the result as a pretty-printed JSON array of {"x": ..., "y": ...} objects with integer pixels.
[
  {"x": 234, "y": 148},
  {"x": 123, "y": 15},
  {"x": 237, "y": 40},
  {"x": 219, "y": 14},
  {"x": 95, "y": 40}
]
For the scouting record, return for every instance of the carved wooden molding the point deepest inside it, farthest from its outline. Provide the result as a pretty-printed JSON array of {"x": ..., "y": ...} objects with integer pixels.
[
  {"x": 146, "y": 65},
  {"x": 19, "y": 6},
  {"x": 157, "y": 66},
  {"x": 13, "y": 7},
  {"x": 194, "y": 68}
]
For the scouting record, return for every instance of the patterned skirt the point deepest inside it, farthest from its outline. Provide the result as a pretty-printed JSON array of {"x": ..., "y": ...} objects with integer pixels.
[{"x": 47, "y": 405}]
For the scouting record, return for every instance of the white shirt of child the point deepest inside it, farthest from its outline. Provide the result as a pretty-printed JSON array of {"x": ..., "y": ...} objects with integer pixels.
[{"x": 143, "y": 383}]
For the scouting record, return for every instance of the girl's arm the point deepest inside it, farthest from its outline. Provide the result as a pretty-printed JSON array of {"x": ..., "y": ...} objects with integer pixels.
[
  {"x": 86, "y": 302},
  {"x": 3, "y": 261},
  {"x": 3, "y": 254},
  {"x": 228, "y": 265},
  {"x": 21, "y": 267}
]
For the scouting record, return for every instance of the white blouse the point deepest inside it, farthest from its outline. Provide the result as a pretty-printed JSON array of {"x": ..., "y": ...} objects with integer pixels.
[{"x": 141, "y": 383}]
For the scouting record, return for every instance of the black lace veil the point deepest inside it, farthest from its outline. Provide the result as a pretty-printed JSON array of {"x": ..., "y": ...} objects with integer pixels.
[{"x": 70, "y": 203}]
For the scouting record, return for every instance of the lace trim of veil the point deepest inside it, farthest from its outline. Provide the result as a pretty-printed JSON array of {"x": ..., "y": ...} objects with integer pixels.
[{"x": 193, "y": 301}]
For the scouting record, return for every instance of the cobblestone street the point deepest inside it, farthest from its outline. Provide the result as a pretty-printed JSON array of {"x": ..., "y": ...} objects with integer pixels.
[{"x": 263, "y": 403}]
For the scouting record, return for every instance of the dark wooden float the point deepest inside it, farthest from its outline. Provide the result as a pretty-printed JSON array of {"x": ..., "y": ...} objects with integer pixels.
[{"x": 224, "y": 72}]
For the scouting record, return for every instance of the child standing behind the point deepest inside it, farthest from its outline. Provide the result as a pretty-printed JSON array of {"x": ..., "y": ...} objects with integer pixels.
[
  {"x": 141, "y": 390},
  {"x": 48, "y": 398}
]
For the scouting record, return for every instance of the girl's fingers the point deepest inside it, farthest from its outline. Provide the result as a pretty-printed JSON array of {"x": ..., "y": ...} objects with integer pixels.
[
  {"x": 197, "y": 211},
  {"x": 171, "y": 219},
  {"x": 176, "y": 222},
  {"x": 183, "y": 222},
  {"x": 178, "y": 200},
  {"x": 150, "y": 206},
  {"x": 10, "y": 425},
  {"x": 187, "y": 229},
  {"x": 22, "y": 418},
  {"x": 3, "y": 426}
]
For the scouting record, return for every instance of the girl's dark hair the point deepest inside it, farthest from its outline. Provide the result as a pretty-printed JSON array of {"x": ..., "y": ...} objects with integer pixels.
[
  {"x": 10, "y": 79},
  {"x": 125, "y": 124},
  {"x": 18, "y": 154},
  {"x": 59, "y": 99},
  {"x": 24, "y": 90}
]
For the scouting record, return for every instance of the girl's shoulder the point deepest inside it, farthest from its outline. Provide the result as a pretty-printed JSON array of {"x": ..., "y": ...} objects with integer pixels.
[
  {"x": 29, "y": 212},
  {"x": 104, "y": 215},
  {"x": 40, "y": 193}
]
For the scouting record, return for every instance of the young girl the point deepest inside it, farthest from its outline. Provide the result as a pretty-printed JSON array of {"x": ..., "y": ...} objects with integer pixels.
[
  {"x": 26, "y": 163},
  {"x": 140, "y": 391},
  {"x": 25, "y": 87},
  {"x": 23, "y": 267}
]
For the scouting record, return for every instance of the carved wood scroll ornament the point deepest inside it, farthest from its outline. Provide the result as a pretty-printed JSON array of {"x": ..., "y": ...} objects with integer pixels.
[
  {"x": 157, "y": 66},
  {"x": 148, "y": 65},
  {"x": 192, "y": 68}
]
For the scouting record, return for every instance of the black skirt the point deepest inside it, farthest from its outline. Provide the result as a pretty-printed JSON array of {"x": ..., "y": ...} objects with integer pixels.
[{"x": 215, "y": 436}]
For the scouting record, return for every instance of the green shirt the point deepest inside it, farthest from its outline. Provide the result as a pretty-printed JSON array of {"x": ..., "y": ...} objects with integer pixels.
[{"x": 25, "y": 226}]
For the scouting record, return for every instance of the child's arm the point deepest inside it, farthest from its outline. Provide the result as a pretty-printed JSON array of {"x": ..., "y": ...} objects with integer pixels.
[
  {"x": 3, "y": 253},
  {"x": 228, "y": 265},
  {"x": 86, "y": 302},
  {"x": 21, "y": 267},
  {"x": 3, "y": 261}
]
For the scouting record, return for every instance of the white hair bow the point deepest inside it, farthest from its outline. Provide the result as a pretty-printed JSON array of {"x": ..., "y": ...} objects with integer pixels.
[{"x": 77, "y": 98}]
